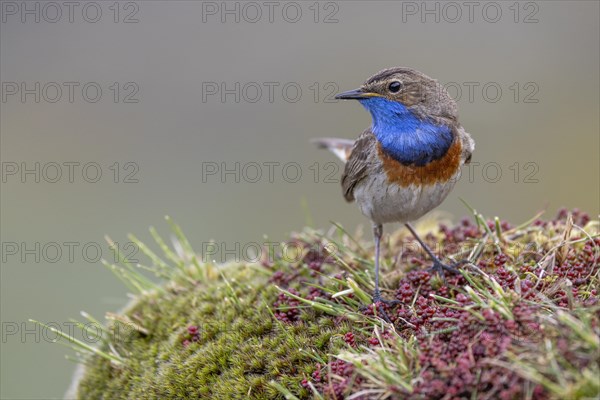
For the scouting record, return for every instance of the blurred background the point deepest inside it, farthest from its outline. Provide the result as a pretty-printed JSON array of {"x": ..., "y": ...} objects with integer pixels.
[{"x": 115, "y": 114}]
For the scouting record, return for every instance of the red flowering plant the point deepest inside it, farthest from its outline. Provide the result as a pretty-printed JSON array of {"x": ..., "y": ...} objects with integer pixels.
[{"x": 520, "y": 321}]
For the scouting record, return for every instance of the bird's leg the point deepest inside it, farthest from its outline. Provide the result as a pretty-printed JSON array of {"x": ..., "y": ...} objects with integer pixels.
[
  {"x": 438, "y": 266},
  {"x": 377, "y": 232}
]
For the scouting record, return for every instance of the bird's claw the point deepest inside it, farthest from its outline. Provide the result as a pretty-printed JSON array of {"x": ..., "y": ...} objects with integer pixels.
[
  {"x": 378, "y": 304},
  {"x": 378, "y": 299},
  {"x": 439, "y": 267}
]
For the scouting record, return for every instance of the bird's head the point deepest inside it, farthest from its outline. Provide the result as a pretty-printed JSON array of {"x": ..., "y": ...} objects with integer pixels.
[{"x": 397, "y": 95}]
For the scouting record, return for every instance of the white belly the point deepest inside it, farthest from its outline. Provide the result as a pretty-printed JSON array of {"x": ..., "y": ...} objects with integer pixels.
[{"x": 384, "y": 203}]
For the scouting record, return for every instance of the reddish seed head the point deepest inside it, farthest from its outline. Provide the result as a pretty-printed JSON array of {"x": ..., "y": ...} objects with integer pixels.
[{"x": 349, "y": 338}]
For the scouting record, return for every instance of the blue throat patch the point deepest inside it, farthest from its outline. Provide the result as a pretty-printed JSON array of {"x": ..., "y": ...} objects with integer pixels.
[{"x": 404, "y": 136}]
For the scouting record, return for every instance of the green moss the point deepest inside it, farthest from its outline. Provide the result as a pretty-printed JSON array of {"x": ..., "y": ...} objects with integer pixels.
[{"x": 241, "y": 347}]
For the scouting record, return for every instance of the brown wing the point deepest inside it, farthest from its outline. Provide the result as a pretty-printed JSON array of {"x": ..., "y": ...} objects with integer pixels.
[
  {"x": 468, "y": 145},
  {"x": 358, "y": 163}
]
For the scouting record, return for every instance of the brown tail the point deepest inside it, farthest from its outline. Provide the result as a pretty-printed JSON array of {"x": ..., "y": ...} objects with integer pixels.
[{"x": 340, "y": 147}]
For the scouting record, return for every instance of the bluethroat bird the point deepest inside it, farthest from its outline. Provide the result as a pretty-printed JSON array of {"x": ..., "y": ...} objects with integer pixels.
[{"x": 407, "y": 162}]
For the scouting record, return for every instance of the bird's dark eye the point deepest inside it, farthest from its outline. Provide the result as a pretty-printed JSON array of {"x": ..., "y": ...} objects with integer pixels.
[{"x": 394, "y": 86}]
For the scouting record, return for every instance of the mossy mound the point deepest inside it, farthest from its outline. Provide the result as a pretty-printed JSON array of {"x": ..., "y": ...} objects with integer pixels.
[
  {"x": 520, "y": 321},
  {"x": 239, "y": 347}
]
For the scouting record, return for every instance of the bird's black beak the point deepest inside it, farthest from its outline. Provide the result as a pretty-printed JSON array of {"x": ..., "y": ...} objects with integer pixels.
[{"x": 355, "y": 94}]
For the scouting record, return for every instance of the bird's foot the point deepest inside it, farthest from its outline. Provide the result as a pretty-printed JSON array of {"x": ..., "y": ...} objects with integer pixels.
[
  {"x": 379, "y": 306},
  {"x": 377, "y": 299},
  {"x": 440, "y": 268}
]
